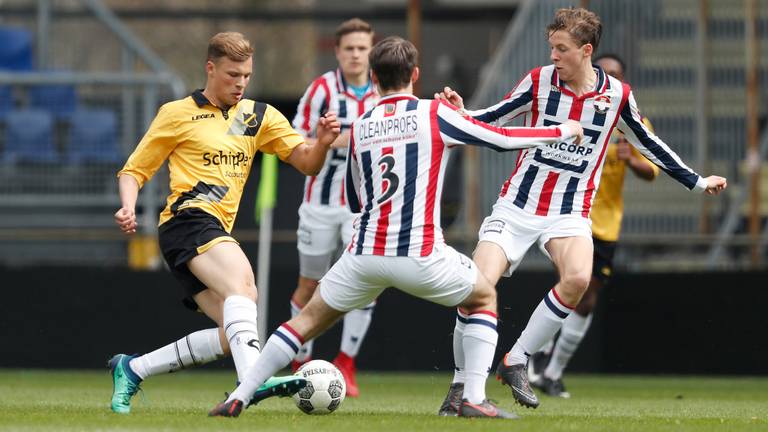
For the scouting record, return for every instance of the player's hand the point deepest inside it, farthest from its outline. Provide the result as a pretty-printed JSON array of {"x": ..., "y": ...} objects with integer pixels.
[
  {"x": 623, "y": 151},
  {"x": 572, "y": 128},
  {"x": 342, "y": 141},
  {"x": 451, "y": 96},
  {"x": 328, "y": 129},
  {"x": 715, "y": 185},
  {"x": 125, "y": 219}
]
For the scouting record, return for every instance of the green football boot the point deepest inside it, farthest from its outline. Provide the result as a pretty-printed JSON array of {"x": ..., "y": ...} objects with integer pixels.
[
  {"x": 125, "y": 383},
  {"x": 278, "y": 386}
]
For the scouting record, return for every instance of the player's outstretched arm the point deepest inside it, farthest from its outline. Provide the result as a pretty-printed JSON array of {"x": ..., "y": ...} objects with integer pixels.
[
  {"x": 457, "y": 129},
  {"x": 125, "y": 217},
  {"x": 630, "y": 123},
  {"x": 309, "y": 158}
]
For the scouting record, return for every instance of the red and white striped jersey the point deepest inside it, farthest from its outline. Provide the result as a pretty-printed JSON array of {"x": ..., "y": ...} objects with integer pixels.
[
  {"x": 562, "y": 178},
  {"x": 329, "y": 92},
  {"x": 395, "y": 166}
]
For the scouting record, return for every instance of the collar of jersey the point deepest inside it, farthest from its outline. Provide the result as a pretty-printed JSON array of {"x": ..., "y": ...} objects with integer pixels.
[
  {"x": 341, "y": 86},
  {"x": 201, "y": 100},
  {"x": 396, "y": 97},
  {"x": 602, "y": 84}
]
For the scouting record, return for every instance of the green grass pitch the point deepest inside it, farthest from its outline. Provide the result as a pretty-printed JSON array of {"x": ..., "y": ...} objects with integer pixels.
[{"x": 79, "y": 401}]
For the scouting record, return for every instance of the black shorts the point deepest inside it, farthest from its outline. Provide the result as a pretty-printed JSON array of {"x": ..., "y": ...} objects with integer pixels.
[
  {"x": 602, "y": 260},
  {"x": 182, "y": 238}
]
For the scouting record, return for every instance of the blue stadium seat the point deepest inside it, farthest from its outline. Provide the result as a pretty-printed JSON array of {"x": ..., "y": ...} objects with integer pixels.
[
  {"x": 16, "y": 49},
  {"x": 29, "y": 137},
  {"x": 93, "y": 137},
  {"x": 6, "y": 101},
  {"x": 58, "y": 99}
]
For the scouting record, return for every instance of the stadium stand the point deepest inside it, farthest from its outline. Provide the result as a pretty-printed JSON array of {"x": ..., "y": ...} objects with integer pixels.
[
  {"x": 92, "y": 137},
  {"x": 16, "y": 49},
  {"x": 59, "y": 100},
  {"x": 29, "y": 137},
  {"x": 6, "y": 100}
]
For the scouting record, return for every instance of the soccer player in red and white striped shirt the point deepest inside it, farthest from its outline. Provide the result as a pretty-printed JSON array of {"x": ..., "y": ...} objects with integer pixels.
[
  {"x": 395, "y": 166},
  {"x": 547, "y": 198},
  {"x": 325, "y": 221}
]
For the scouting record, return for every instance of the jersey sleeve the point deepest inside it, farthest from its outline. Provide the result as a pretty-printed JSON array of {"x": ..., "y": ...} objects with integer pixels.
[
  {"x": 276, "y": 136},
  {"x": 518, "y": 101},
  {"x": 652, "y": 147},
  {"x": 352, "y": 177},
  {"x": 312, "y": 106},
  {"x": 153, "y": 149},
  {"x": 456, "y": 129},
  {"x": 640, "y": 156}
]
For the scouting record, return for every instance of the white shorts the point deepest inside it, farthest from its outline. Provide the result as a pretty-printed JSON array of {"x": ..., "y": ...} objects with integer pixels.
[
  {"x": 322, "y": 230},
  {"x": 515, "y": 230},
  {"x": 445, "y": 277}
]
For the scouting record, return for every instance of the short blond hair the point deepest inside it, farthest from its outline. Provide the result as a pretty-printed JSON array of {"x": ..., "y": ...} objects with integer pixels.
[
  {"x": 232, "y": 45},
  {"x": 584, "y": 26}
]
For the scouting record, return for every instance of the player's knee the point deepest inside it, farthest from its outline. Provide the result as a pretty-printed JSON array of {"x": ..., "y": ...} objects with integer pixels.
[
  {"x": 243, "y": 285},
  {"x": 576, "y": 283},
  {"x": 483, "y": 297}
]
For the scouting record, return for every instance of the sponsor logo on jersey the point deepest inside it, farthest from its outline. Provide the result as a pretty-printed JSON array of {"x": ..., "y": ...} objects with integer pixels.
[
  {"x": 388, "y": 127},
  {"x": 203, "y": 116},
  {"x": 221, "y": 158}
]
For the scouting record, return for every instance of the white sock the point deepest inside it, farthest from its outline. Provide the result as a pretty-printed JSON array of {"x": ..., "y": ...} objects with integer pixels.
[
  {"x": 195, "y": 349},
  {"x": 356, "y": 323},
  {"x": 545, "y": 321},
  {"x": 573, "y": 331},
  {"x": 458, "y": 346},
  {"x": 241, "y": 331},
  {"x": 547, "y": 348},
  {"x": 305, "y": 352},
  {"x": 280, "y": 349},
  {"x": 479, "y": 342}
]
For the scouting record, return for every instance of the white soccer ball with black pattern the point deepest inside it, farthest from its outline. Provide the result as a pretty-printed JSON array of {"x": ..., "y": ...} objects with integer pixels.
[{"x": 325, "y": 388}]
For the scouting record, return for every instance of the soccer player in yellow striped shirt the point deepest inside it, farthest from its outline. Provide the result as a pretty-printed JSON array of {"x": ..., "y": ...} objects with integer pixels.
[
  {"x": 210, "y": 140},
  {"x": 546, "y": 367}
]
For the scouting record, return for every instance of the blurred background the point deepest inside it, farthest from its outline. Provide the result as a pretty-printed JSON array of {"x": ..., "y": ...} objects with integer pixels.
[{"x": 80, "y": 81}]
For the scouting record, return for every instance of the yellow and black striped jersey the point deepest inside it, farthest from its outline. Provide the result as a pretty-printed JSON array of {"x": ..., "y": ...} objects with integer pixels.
[
  {"x": 210, "y": 152},
  {"x": 608, "y": 207}
]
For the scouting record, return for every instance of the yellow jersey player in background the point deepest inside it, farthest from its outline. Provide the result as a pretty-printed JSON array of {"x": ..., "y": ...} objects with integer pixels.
[
  {"x": 545, "y": 370},
  {"x": 210, "y": 139}
]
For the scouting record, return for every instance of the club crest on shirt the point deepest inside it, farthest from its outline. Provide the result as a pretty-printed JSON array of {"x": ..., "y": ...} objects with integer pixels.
[
  {"x": 247, "y": 124},
  {"x": 250, "y": 120},
  {"x": 389, "y": 109},
  {"x": 602, "y": 103}
]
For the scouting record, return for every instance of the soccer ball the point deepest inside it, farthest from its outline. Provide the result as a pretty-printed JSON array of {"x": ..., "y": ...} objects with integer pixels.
[{"x": 325, "y": 388}]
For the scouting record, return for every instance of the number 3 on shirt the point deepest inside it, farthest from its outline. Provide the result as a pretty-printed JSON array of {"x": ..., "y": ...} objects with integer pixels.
[{"x": 387, "y": 164}]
